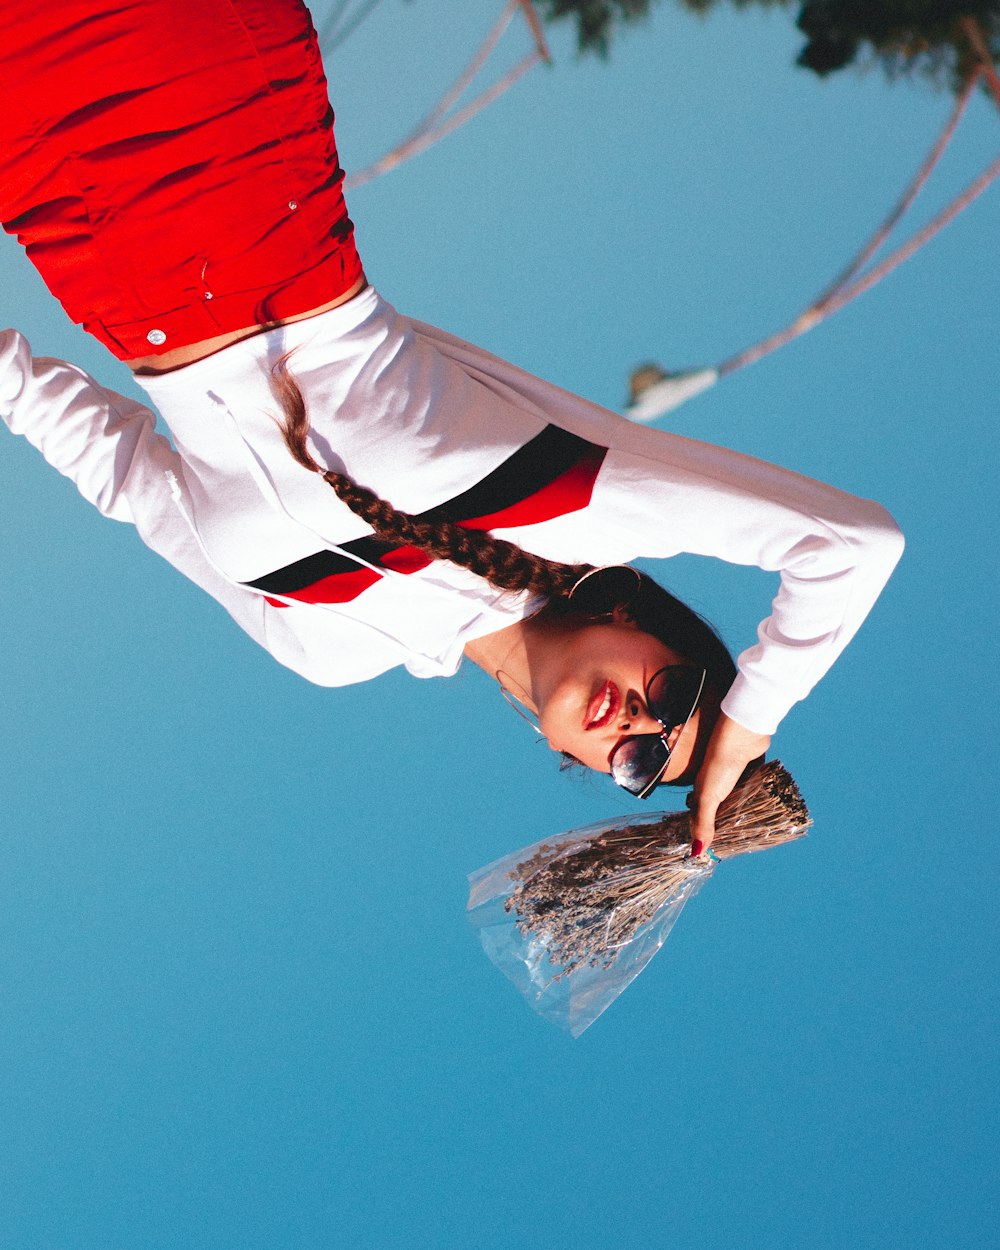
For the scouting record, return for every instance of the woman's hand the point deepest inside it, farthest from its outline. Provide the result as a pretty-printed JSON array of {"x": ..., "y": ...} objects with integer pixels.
[{"x": 730, "y": 749}]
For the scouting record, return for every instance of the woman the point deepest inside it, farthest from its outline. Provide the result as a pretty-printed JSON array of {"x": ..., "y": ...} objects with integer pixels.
[{"x": 359, "y": 490}]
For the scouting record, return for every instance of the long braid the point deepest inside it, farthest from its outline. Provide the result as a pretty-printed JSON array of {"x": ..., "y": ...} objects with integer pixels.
[{"x": 501, "y": 563}]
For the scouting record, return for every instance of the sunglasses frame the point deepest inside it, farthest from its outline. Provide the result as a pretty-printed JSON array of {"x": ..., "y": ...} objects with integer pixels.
[{"x": 664, "y": 733}]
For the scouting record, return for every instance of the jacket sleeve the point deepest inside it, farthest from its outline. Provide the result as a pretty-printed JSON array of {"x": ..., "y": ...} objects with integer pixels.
[
  {"x": 107, "y": 445},
  {"x": 833, "y": 553},
  {"x": 659, "y": 494}
]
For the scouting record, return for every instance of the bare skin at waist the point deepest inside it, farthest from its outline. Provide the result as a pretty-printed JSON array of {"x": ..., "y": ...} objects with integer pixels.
[{"x": 176, "y": 359}]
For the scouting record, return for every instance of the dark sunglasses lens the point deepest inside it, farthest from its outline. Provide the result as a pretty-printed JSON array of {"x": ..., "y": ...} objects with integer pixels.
[
  {"x": 671, "y": 697},
  {"x": 672, "y": 694},
  {"x": 638, "y": 761}
]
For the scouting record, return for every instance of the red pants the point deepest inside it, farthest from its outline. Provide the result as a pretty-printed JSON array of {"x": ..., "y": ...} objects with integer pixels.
[{"x": 170, "y": 165}]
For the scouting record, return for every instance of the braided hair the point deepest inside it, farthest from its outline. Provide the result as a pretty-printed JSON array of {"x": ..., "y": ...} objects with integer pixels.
[{"x": 502, "y": 564}]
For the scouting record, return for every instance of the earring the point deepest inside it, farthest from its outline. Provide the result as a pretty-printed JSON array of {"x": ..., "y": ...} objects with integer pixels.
[{"x": 601, "y": 590}]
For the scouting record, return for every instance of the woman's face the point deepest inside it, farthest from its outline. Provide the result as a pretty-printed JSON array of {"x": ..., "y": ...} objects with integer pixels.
[{"x": 590, "y": 693}]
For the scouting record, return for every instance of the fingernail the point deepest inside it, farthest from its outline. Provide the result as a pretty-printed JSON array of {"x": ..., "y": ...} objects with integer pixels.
[{"x": 697, "y": 848}]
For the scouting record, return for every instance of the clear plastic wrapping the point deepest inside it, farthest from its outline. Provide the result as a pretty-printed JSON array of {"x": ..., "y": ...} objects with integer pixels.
[{"x": 574, "y": 919}]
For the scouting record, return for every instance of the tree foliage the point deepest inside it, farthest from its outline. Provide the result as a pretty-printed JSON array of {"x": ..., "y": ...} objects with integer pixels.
[
  {"x": 595, "y": 19},
  {"x": 928, "y": 37}
]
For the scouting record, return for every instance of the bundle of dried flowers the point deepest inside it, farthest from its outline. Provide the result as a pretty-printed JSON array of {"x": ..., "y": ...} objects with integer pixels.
[
  {"x": 589, "y": 902},
  {"x": 590, "y": 908}
]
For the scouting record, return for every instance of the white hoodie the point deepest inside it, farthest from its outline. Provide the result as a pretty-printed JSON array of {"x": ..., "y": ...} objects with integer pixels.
[{"x": 420, "y": 417}]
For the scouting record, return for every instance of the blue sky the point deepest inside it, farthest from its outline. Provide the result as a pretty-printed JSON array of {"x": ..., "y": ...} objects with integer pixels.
[{"x": 242, "y": 1005}]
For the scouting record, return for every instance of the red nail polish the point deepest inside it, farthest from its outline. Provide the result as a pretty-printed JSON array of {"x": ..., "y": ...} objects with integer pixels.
[{"x": 697, "y": 848}]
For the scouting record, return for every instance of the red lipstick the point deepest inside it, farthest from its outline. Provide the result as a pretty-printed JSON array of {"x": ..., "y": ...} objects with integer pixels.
[{"x": 603, "y": 707}]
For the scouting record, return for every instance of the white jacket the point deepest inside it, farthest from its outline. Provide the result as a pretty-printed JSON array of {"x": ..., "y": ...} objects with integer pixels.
[{"x": 420, "y": 417}]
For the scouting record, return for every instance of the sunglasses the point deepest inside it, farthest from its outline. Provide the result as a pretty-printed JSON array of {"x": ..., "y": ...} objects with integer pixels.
[
  {"x": 637, "y": 763},
  {"x": 672, "y": 698}
]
